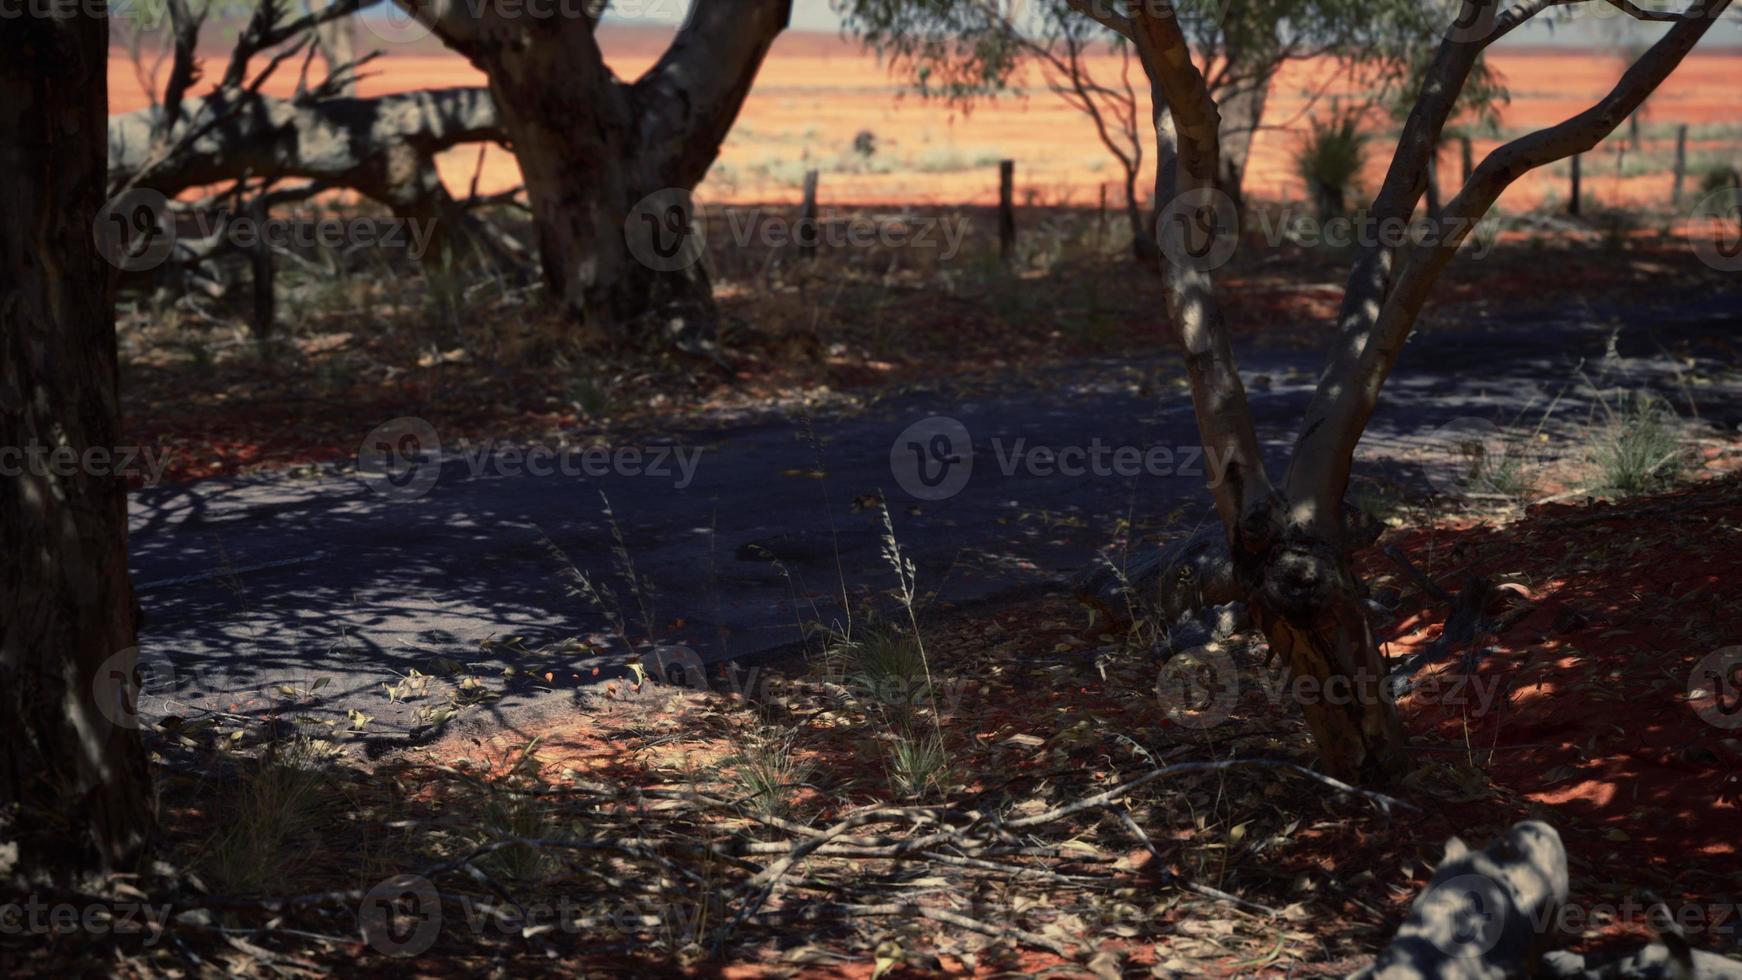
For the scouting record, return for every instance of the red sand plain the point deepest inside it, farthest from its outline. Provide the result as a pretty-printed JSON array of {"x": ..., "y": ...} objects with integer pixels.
[{"x": 818, "y": 91}]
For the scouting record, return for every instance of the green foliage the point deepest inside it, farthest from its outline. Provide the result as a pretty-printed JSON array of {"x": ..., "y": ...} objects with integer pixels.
[
  {"x": 765, "y": 774},
  {"x": 884, "y": 663},
  {"x": 964, "y": 52},
  {"x": 1479, "y": 104},
  {"x": 916, "y": 764},
  {"x": 1718, "y": 178},
  {"x": 957, "y": 52},
  {"x": 276, "y": 806},
  {"x": 1331, "y": 157},
  {"x": 1638, "y": 450}
]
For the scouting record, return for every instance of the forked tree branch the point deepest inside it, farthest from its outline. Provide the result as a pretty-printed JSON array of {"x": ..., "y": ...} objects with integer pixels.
[
  {"x": 1578, "y": 134},
  {"x": 1316, "y": 475},
  {"x": 1378, "y": 320}
]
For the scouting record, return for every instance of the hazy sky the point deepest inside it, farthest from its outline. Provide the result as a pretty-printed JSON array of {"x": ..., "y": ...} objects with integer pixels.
[{"x": 1583, "y": 25}]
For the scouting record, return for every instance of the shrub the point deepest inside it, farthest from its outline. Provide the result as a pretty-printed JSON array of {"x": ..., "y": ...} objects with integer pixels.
[
  {"x": 1638, "y": 449},
  {"x": 1331, "y": 159},
  {"x": 1718, "y": 178}
]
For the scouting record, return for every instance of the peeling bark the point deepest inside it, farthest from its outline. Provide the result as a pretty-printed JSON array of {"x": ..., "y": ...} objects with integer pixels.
[
  {"x": 1305, "y": 600},
  {"x": 74, "y": 791}
]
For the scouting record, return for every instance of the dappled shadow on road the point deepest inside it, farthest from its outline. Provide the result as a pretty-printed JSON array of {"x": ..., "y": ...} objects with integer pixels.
[
  {"x": 509, "y": 592},
  {"x": 322, "y": 595}
]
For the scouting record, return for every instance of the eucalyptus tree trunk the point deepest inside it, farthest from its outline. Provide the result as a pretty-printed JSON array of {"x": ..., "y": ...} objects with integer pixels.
[
  {"x": 74, "y": 791},
  {"x": 1242, "y": 112},
  {"x": 1288, "y": 543},
  {"x": 337, "y": 42},
  {"x": 593, "y": 149}
]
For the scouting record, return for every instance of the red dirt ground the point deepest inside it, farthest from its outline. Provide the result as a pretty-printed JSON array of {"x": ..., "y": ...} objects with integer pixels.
[
  {"x": 1625, "y": 600},
  {"x": 1598, "y": 736}
]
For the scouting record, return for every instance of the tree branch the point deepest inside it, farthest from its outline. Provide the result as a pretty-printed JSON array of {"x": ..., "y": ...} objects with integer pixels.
[
  {"x": 689, "y": 99},
  {"x": 1364, "y": 358},
  {"x": 1498, "y": 171},
  {"x": 1101, "y": 12},
  {"x": 351, "y": 141},
  {"x": 1318, "y": 469},
  {"x": 1188, "y": 144}
]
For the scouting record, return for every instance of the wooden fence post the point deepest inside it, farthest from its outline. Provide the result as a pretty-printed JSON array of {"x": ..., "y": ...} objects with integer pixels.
[
  {"x": 808, "y": 233},
  {"x": 1573, "y": 205},
  {"x": 1006, "y": 208},
  {"x": 1681, "y": 163}
]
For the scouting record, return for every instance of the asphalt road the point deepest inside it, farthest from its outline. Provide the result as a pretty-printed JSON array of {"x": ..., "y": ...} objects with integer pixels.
[{"x": 309, "y": 595}]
